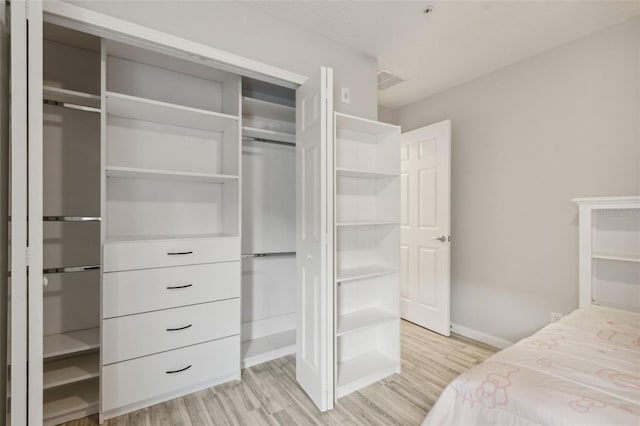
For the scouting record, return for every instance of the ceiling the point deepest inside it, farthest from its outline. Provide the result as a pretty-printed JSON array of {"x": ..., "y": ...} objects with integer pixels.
[{"x": 459, "y": 41}]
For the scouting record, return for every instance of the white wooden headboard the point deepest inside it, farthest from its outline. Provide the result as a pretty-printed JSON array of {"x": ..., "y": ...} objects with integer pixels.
[{"x": 609, "y": 251}]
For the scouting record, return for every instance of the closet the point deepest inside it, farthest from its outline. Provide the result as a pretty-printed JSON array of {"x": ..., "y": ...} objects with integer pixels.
[
  {"x": 198, "y": 218},
  {"x": 71, "y": 224},
  {"x": 268, "y": 222}
]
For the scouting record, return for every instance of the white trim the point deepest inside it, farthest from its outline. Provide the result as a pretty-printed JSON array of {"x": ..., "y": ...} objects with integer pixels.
[
  {"x": 88, "y": 21},
  {"x": 488, "y": 339},
  {"x": 614, "y": 201}
]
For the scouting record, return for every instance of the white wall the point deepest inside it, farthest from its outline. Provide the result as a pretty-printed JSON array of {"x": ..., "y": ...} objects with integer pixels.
[
  {"x": 247, "y": 31},
  {"x": 527, "y": 139}
]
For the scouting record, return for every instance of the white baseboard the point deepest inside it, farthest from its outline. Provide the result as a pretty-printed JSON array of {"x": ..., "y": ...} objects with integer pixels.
[{"x": 488, "y": 339}]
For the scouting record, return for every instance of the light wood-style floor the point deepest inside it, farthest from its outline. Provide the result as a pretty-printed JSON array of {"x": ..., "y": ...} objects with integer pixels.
[{"x": 269, "y": 395}]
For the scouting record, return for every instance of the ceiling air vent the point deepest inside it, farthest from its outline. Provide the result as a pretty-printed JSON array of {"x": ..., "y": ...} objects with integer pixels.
[{"x": 387, "y": 79}]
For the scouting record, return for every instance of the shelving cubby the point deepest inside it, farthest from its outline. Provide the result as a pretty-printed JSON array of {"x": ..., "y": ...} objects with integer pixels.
[
  {"x": 172, "y": 147},
  {"x": 615, "y": 255},
  {"x": 70, "y": 189},
  {"x": 367, "y": 256}
]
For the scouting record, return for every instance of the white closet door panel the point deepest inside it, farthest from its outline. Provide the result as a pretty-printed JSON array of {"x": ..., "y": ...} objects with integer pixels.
[
  {"x": 129, "y": 255},
  {"x": 131, "y": 292},
  {"x": 71, "y": 302},
  {"x": 143, "y": 378},
  {"x": 71, "y": 68},
  {"x": 150, "y": 207},
  {"x": 133, "y": 336},
  {"x": 151, "y": 82},
  {"x": 35, "y": 225},
  {"x": 268, "y": 287},
  {"x": 17, "y": 292},
  {"x": 314, "y": 238},
  {"x": 268, "y": 198},
  {"x": 72, "y": 162},
  {"x": 146, "y": 145}
]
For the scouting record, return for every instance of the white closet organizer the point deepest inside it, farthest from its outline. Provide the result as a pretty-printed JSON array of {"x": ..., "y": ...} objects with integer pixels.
[
  {"x": 160, "y": 172},
  {"x": 171, "y": 282},
  {"x": 609, "y": 255},
  {"x": 268, "y": 222},
  {"x": 367, "y": 235},
  {"x": 71, "y": 239}
]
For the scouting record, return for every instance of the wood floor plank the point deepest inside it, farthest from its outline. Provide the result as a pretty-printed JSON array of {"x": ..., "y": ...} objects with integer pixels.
[{"x": 269, "y": 395}]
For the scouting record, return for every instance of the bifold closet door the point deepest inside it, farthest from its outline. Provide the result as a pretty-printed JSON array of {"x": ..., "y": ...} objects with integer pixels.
[
  {"x": 314, "y": 238},
  {"x": 35, "y": 212},
  {"x": 17, "y": 333}
]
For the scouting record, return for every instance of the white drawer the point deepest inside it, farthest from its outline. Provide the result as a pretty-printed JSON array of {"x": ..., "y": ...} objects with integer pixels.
[
  {"x": 144, "y": 254},
  {"x": 132, "y": 292},
  {"x": 143, "y": 378},
  {"x": 144, "y": 334}
]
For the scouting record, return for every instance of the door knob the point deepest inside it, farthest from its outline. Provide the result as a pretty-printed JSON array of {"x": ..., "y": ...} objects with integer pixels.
[{"x": 441, "y": 238}]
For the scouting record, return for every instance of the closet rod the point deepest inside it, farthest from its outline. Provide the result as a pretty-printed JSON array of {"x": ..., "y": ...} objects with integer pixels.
[
  {"x": 71, "y": 269},
  {"x": 71, "y": 106},
  {"x": 252, "y": 139},
  {"x": 282, "y": 253},
  {"x": 71, "y": 219}
]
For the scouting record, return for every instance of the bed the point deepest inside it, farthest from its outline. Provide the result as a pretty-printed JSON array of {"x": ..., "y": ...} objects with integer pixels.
[{"x": 581, "y": 370}]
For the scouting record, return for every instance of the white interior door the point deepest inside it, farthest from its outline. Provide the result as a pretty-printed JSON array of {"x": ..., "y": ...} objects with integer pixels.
[
  {"x": 18, "y": 285},
  {"x": 425, "y": 226},
  {"x": 314, "y": 231},
  {"x": 35, "y": 197}
]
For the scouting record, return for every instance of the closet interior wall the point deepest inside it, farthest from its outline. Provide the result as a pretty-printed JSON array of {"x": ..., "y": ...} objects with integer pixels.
[{"x": 268, "y": 222}]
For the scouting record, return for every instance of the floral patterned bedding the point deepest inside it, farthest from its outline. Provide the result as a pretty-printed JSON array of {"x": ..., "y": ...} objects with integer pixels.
[{"x": 581, "y": 370}]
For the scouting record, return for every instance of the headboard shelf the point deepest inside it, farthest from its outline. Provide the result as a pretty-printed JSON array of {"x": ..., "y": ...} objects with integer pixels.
[{"x": 609, "y": 251}]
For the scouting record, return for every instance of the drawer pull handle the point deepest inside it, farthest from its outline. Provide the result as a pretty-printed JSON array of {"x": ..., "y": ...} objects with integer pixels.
[
  {"x": 176, "y": 287},
  {"x": 178, "y": 253},
  {"x": 178, "y": 371},
  {"x": 179, "y": 328}
]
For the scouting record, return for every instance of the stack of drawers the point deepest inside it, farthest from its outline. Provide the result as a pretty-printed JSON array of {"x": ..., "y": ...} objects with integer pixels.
[{"x": 170, "y": 318}]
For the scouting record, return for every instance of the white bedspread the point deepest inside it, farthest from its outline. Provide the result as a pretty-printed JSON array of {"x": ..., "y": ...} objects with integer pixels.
[{"x": 581, "y": 370}]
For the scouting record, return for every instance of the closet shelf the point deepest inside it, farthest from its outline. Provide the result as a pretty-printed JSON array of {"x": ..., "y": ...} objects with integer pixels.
[
  {"x": 363, "y": 319},
  {"x": 70, "y": 402},
  {"x": 367, "y": 223},
  {"x": 71, "y": 370},
  {"x": 71, "y": 342},
  {"x": 271, "y": 135},
  {"x": 66, "y": 96},
  {"x": 364, "y": 126},
  {"x": 141, "y": 238},
  {"x": 362, "y": 370},
  {"x": 362, "y": 272},
  {"x": 617, "y": 256},
  {"x": 266, "y": 348},
  {"x": 165, "y": 113},
  {"x": 343, "y": 172},
  {"x": 269, "y": 110},
  {"x": 132, "y": 172}
]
